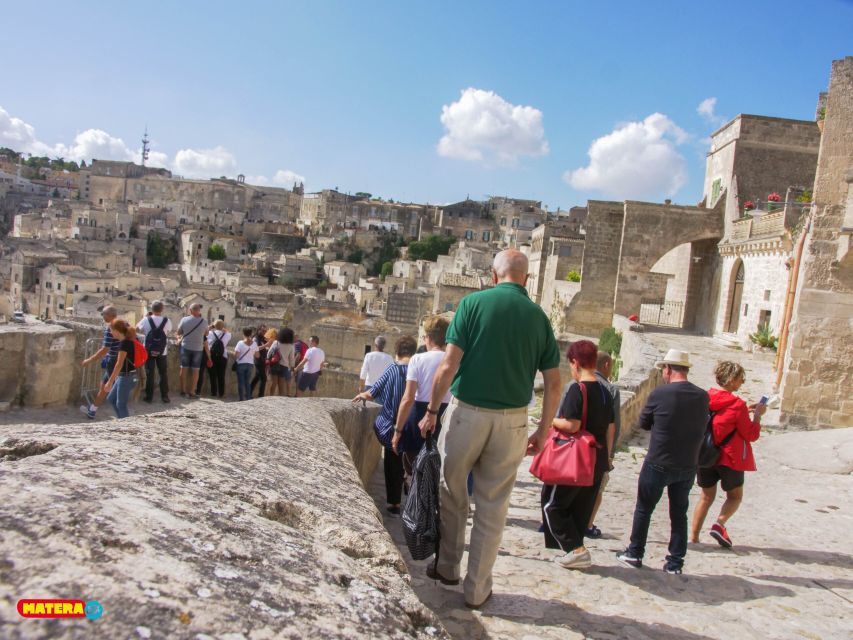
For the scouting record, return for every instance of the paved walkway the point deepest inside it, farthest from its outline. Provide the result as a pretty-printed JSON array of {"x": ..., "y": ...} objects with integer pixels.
[{"x": 790, "y": 574}]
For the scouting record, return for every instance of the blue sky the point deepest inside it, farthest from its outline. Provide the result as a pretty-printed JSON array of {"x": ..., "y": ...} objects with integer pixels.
[{"x": 352, "y": 94}]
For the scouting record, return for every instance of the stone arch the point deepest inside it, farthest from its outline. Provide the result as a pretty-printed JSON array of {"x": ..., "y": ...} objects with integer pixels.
[
  {"x": 649, "y": 232},
  {"x": 735, "y": 296}
]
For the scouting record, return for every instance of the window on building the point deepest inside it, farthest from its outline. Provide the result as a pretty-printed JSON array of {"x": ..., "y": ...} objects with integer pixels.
[
  {"x": 716, "y": 187},
  {"x": 59, "y": 286},
  {"x": 764, "y": 318},
  {"x": 469, "y": 235},
  {"x": 487, "y": 236},
  {"x": 503, "y": 222},
  {"x": 61, "y": 306},
  {"x": 76, "y": 287},
  {"x": 448, "y": 306},
  {"x": 48, "y": 299},
  {"x": 97, "y": 290},
  {"x": 745, "y": 310},
  {"x": 515, "y": 222},
  {"x": 766, "y": 295}
]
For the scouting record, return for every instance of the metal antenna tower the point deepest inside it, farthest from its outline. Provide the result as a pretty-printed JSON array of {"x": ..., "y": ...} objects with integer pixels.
[{"x": 146, "y": 147}]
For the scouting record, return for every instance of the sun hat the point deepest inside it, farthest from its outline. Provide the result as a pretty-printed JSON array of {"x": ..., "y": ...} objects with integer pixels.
[{"x": 675, "y": 357}]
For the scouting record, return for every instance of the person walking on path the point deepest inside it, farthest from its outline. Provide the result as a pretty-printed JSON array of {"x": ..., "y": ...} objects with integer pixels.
[
  {"x": 192, "y": 331},
  {"x": 730, "y": 419},
  {"x": 603, "y": 370},
  {"x": 496, "y": 342},
  {"x": 261, "y": 363},
  {"x": 217, "y": 344},
  {"x": 156, "y": 329},
  {"x": 245, "y": 354},
  {"x": 407, "y": 439},
  {"x": 677, "y": 415},
  {"x": 281, "y": 372},
  {"x": 566, "y": 509},
  {"x": 106, "y": 355},
  {"x": 388, "y": 391},
  {"x": 123, "y": 377},
  {"x": 310, "y": 367},
  {"x": 374, "y": 364}
]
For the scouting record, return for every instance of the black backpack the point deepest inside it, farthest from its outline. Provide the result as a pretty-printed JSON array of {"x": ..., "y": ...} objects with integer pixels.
[
  {"x": 218, "y": 348},
  {"x": 155, "y": 339}
]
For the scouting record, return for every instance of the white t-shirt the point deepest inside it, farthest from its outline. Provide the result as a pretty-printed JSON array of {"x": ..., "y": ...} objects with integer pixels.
[
  {"x": 374, "y": 366},
  {"x": 211, "y": 337},
  {"x": 245, "y": 353},
  {"x": 314, "y": 358},
  {"x": 422, "y": 368},
  {"x": 144, "y": 327}
]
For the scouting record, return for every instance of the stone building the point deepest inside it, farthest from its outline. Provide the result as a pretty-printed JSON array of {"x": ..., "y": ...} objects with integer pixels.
[
  {"x": 752, "y": 157},
  {"x": 342, "y": 274},
  {"x": 817, "y": 356},
  {"x": 468, "y": 220},
  {"x": 452, "y": 287},
  {"x": 516, "y": 219},
  {"x": 556, "y": 239}
]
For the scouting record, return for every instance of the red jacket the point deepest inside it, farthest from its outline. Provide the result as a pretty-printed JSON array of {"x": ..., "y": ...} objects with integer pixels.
[{"x": 730, "y": 412}]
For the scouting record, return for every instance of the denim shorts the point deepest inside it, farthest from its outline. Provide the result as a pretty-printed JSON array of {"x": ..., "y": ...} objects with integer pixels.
[
  {"x": 191, "y": 359},
  {"x": 308, "y": 381},
  {"x": 280, "y": 371}
]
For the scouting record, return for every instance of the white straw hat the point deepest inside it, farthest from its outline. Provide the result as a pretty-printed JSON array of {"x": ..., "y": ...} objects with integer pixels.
[{"x": 675, "y": 357}]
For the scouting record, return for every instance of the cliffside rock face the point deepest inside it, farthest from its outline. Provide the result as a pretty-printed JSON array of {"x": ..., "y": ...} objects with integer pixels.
[{"x": 239, "y": 520}]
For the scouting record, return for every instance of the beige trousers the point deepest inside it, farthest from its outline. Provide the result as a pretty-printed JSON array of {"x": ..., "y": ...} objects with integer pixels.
[{"x": 491, "y": 443}]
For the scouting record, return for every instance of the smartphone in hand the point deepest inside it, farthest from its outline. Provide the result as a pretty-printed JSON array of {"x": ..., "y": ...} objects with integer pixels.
[{"x": 763, "y": 400}]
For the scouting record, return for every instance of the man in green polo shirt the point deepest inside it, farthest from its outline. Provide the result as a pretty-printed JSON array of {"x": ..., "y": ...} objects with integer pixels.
[{"x": 496, "y": 342}]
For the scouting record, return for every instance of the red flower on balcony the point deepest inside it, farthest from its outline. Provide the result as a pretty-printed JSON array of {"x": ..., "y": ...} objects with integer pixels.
[
  {"x": 749, "y": 205},
  {"x": 774, "y": 197}
]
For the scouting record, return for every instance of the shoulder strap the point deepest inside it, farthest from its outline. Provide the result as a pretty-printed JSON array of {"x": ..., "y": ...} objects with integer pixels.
[
  {"x": 218, "y": 338},
  {"x": 151, "y": 323},
  {"x": 725, "y": 440}
]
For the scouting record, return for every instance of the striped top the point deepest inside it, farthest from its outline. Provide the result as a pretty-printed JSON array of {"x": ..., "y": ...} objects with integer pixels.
[
  {"x": 112, "y": 344},
  {"x": 388, "y": 391}
]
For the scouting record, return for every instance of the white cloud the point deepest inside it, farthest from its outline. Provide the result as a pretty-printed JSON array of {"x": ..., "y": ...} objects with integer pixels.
[
  {"x": 287, "y": 178},
  {"x": 483, "y": 127},
  {"x": 205, "y": 163},
  {"x": 95, "y": 143},
  {"x": 637, "y": 160},
  {"x": 259, "y": 181},
  {"x": 707, "y": 109}
]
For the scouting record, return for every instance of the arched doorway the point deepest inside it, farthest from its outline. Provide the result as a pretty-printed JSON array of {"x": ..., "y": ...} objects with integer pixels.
[{"x": 735, "y": 295}]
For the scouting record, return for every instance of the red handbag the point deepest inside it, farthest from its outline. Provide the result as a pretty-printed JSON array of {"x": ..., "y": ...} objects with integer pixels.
[{"x": 568, "y": 459}]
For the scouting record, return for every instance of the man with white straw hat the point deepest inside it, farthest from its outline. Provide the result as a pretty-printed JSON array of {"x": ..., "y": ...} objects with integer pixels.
[{"x": 677, "y": 415}]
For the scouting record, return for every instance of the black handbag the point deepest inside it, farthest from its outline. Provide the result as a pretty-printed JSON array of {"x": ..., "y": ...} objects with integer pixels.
[{"x": 709, "y": 452}]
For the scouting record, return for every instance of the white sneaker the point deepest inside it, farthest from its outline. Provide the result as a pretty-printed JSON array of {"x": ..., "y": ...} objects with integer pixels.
[
  {"x": 89, "y": 413},
  {"x": 572, "y": 560}
]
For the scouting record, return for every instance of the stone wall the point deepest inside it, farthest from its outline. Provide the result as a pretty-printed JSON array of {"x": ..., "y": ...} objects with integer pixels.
[
  {"x": 817, "y": 390},
  {"x": 38, "y": 364},
  {"x": 250, "y": 521},
  {"x": 592, "y": 308},
  {"x": 638, "y": 376}
]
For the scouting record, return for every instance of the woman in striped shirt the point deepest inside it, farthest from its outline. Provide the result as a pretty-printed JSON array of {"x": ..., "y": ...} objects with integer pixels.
[{"x": 388, "y": 391}]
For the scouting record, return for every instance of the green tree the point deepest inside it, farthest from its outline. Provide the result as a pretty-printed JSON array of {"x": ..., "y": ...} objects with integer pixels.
[
  {"x": 610, "y": 341},
  {"x": 356, "y": 256},
  {"x": 216, "y": 252},
  {"x": 573, "y": 276},
  {"x": 160, "y": 252},
  {"x": 430, "y": 248},
  {"x": 387, "y": 269}
]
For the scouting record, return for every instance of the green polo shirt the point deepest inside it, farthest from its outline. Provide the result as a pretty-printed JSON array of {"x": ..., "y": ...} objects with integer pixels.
[{"x": 506, "y": 338}]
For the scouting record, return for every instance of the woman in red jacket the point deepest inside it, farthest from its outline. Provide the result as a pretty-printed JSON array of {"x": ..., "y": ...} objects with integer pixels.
[{"x": 731, "y": 416}]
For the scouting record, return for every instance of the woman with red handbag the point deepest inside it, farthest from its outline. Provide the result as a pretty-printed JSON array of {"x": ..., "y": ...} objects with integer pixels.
[{"x": 586, "y": 407}]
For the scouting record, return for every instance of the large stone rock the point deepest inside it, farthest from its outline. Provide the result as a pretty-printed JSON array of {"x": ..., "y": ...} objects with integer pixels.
[{"x": 239, "y": 520}]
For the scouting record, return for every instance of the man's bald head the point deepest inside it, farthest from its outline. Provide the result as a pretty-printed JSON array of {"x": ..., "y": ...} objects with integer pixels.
[
  {"x": 109, "y": 313},
  {"x": 511, "y": 265}
]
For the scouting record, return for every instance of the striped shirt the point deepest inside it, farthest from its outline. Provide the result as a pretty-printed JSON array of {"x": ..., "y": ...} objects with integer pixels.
[
  {"x": 388, "y": 391},
  {"x": 111, "y": 343}
]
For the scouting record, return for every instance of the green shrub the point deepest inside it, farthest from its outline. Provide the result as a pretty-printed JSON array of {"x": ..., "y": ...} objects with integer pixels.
[
  {"x": 216, "y": 252},
  {"x": 610, "y": 341},
  {"x": 573, "y": 276},
  {"x": 764, "y": 337}
]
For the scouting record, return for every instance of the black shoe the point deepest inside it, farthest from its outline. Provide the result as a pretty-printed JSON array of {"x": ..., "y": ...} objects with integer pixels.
[
  {"x": 433, "y": 574},
  {"x": 672, "y": 569},
  {"x": 183, "y": 394},
  {"x": 148, "y": 400},
  {"x": 166, "y": 400},
  {"x": 394, "y": 511},
  {"x": 629, "y": 560}
]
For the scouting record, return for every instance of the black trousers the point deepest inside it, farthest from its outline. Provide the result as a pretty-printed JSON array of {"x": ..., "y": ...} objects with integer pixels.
[
  {"x": 566, "y": 512},
  {"x": 393, "y": 466},
  {"x": 217, "y": 376},
  {"x": 159, "y": 363},
  {"x": 260, "y": 377},
  {"x": 201, "y": 372}
]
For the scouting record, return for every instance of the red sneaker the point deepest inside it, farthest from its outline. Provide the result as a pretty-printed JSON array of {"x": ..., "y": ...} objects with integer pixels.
[{"x": 719, "y": 533}]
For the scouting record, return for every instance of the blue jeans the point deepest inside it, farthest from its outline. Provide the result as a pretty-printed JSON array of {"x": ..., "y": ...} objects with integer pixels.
[
  {"x": 653, "y": 479},
  {"x": 244, "y": 380},
  {"x": 120, "y": 393}
]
